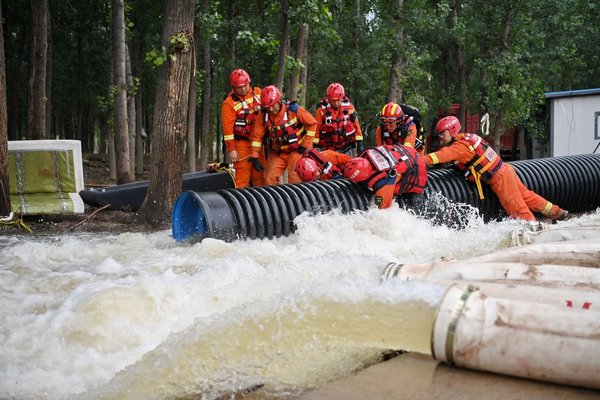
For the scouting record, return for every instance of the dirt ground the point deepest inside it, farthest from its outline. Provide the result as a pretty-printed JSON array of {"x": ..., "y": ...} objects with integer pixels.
[{"x": 96, "y": 174}]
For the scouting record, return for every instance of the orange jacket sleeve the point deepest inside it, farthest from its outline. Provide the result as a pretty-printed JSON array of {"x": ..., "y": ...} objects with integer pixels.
[
  {"x": 411, "y": 136},
  {"x": 336, "y": 158},
  {"x": 457, "y": 151},
  {"x": 258, "y": 133},
  {"x": 228, "y": 117},
  {"x": 319, "y": 119},
  {"x": 310, "y": 127},
  {"x": 358, "y": 135}
]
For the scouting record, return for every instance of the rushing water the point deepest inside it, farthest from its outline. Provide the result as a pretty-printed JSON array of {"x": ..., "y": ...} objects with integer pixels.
[{"x": 138, "y": 316}]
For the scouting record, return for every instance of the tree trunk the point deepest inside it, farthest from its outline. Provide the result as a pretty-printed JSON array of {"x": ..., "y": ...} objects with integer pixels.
[
  {"x": 140, "y": 136},
  {"x": 4, "y": 184},
  {"x": 283, "y": 29},
  {"x": 36, "y": 117},
  {"x": 304, "y": 71},
  {"x": 170, "y": 114},
  {"x": 130, "y": 112},
  {"x": 358, "y": 31},
  {"x": 300, "y": 46},
  {"x": 120, "y": 89},
  {"x": 206, "y": 139},
  {"x": 48, "y": 112},
  {"x": 460, "y": 65},
  {"x": 395, "y": 90},
  {"x": 231, "y": 34},
  {"x": 191, "y": 125}
]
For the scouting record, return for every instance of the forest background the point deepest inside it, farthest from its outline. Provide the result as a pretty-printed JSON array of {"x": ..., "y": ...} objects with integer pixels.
[{"x": 135, "y": 77}]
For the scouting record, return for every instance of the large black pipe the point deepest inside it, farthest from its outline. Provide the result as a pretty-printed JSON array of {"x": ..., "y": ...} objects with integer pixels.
[{"x": 572, "y": 182}]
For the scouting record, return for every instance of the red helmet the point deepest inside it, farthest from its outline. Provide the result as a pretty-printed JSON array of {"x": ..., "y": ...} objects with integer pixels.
[
  {"x": 307, "y": 170},
  {"x": 270, "y": 96},
  {"x": 390, "y": 111},
  {"x": 335, "y": 91},
  {"x": 358, "y": 169},
  {"x": 450, "y": 123},
  {"x": 238, "y": 78}
]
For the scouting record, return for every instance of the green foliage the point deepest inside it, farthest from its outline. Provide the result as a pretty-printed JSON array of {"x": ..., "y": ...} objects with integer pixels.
[
  {"x": 156, "y": 57},
  {"x": 550, "y": 47}
]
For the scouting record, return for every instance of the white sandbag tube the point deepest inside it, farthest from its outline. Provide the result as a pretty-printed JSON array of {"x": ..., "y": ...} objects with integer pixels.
[
  {"x": 495, "y": 271},
  {"x": 523, "y": 338}
]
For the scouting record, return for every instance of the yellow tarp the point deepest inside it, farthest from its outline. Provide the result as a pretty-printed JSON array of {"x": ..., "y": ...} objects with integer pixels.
[{"x": 45, "y": 176}]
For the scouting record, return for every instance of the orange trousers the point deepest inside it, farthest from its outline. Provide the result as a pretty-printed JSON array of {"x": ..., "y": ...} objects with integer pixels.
[
  {"x": 515, "y": 198},
  {"x": 244, "y": 173},
  {"x": 278, "y": 163}
]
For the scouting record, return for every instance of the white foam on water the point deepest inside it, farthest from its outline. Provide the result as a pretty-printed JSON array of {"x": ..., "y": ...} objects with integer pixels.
[{"x": 111, "y": 316}]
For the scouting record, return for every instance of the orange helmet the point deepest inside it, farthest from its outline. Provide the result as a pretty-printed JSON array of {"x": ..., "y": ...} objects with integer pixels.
[
  {"x": 450, "y": 123},
  {"x": 307, "y": 169},
  {"x": 391, "y": 111},
  {"x": 270, "y": 96},
  {"x": 335, "y": 91},
  {"x": 358, "y": 169},
  {"x": 239, "y": 77}
]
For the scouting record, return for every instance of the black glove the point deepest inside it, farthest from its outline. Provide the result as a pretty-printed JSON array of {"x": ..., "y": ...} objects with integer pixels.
[
  {"x": 256, "y": 164},
  {"x": 360, "y": 147},
  {"x": 301, "y": 149}
]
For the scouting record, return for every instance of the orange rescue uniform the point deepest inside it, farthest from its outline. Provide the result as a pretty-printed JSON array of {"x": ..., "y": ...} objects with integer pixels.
[
  {"x": 395, "y": 137},
  {"x": 336, "y": 158},
  {"x": 287, "y": 130},
  {"x": 238, "y": 117},
  {"x": 514, "y": 197},
  {"x": 407, "y": 174},
  {"x": 337, "y": 129}
]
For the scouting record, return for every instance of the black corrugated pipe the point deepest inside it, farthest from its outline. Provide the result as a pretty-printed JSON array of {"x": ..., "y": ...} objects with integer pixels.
[
  {"x": 572, "y": 182},
  {"x": 260, "y": 212}
]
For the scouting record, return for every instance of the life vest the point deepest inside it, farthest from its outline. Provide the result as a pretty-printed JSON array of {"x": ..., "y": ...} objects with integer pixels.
[
  {"x": 285, "y": 137},
  {"x": 483, "y": 165},
  {"x": 245, "y": 111},
  {"x": 398, "y": 136},
  {"x": 390, "y": 160},
  {"x": 337, "y": 133}
]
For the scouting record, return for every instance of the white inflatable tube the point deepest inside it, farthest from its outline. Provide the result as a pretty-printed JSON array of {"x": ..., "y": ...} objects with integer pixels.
[
  {"x": 555, "y": 294},
  {"x": 503, "y": 271},
  {"x": 527, "y": 236},
  {"x": 583, "y": 253},
  {"x": 518, "y": 337}
]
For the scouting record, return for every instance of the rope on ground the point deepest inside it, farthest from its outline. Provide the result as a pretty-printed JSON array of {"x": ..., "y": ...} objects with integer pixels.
[{"x": 88, "y": 217}]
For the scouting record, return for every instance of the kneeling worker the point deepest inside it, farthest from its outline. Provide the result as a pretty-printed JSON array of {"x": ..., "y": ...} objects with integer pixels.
[
  {"x": 389, "y": 170},
  {"x": 471, "y": 153}
]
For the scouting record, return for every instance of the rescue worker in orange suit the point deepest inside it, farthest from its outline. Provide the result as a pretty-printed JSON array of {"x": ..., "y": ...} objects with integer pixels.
[
  {"x": 238, "y": 115},
  {"x": 315, "y": 165},
  {"x": 337, "y": 123},
  {"x": 389, "y": 170},
  {"x": 480, "y": 162},
  {"x": 396, "y": 127},
  {"x": 290, "y": 130}
]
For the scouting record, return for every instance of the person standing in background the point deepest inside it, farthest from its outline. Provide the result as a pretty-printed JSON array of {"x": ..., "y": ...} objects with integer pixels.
[
  {"x": 238, "y": 115},
  {"x": 337, "y": 123},
  {"x": 396, "y": 127},
  {"x": 290, "y": 130}
]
